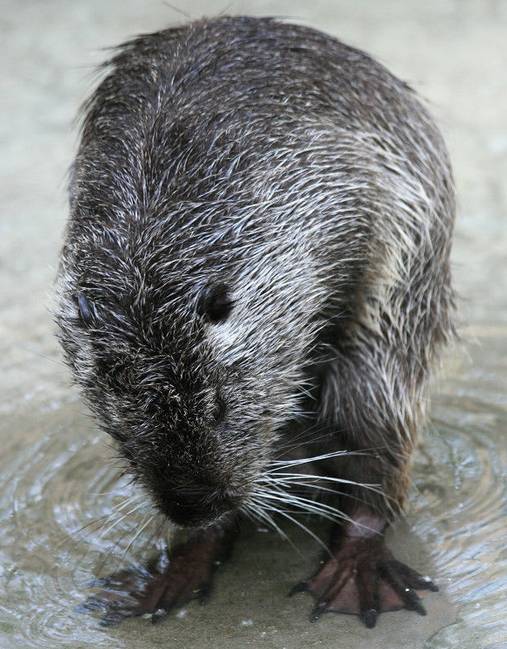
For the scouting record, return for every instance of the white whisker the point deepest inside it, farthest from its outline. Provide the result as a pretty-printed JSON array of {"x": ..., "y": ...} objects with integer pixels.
[
  {"x": 288, "y": 477},
  {"x": 281, "y": 464},
  {"x": 302, "y": 526},
  {"x": 148, "y": 520},
  {"x": 308, "y": 506}
]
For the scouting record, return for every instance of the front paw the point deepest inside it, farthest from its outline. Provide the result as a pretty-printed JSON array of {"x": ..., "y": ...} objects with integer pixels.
[
  {"x": 363, "y": 578},
  {"x": 166, "y": 584}
]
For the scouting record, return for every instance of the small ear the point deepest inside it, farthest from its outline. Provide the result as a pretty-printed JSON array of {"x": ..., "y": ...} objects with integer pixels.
[
  {"x": 86, "y": 313},
  {"x": 215, "y": 303}
]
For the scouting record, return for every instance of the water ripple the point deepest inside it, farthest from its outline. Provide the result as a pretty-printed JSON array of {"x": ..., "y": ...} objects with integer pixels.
[{"x": 64, "y": 511}]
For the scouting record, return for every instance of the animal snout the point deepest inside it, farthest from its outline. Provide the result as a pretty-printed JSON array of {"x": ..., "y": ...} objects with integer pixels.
[{"x": 198, "y": 504}]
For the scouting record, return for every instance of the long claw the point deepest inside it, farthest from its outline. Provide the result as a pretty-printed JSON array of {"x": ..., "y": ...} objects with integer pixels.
[
  {"x": 413, "y": 578},
  {"x": 301, "y": 587},
  {"x": 369, "y": 617},
  {"x": 408, "y": 595},
  {"x": 368, "y": 590},
  {"x": 159, "y": 615},
  {"x": 318, "y": 611},
  {"x": 204, "y": 594}
]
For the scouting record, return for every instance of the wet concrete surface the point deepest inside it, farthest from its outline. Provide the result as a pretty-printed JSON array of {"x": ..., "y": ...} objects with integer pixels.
[{"x": 56, "y": 475}]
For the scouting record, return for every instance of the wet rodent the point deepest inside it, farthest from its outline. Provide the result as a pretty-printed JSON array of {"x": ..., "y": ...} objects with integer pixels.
[{"x": 259, "y": 238}]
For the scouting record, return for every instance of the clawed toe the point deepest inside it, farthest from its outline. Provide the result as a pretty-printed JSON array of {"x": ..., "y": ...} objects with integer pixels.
[
  {"x": 318, "y": 611},
  {"x": 300, "y": 587},
  {"x": 369, "y": 617}
]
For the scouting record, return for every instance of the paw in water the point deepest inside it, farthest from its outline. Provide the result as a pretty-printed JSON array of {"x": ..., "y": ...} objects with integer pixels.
[{"x": 168, "y": 583}]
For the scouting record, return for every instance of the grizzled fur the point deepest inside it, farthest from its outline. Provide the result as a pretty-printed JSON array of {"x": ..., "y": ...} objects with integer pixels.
[{"x": 302, "y": 183}]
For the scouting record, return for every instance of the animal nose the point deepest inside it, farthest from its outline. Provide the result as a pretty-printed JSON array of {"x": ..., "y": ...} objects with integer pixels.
[{"x": 198, "y": 504}]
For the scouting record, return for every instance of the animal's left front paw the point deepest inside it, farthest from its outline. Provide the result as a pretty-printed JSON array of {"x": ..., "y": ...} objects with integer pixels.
[{"x": 363, "y": 578}]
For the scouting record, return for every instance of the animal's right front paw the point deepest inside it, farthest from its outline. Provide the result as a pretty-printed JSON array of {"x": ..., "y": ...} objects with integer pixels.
[
  {"x": 363, "y": 578},
  {"x": 167, "y": 583}
]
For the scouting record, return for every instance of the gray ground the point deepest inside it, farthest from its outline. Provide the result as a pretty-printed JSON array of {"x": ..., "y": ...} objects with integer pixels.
[{"x": 54, "y": 475}]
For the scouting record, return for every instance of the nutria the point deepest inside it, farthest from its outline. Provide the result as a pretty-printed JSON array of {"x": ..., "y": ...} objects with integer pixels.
[{"x": 257, "y": 259}]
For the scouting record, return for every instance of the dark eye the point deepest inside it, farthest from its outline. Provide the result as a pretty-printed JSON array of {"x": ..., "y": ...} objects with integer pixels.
[
  {"x": 85, "y": 309},
  {"x": 215, "y": 303}
]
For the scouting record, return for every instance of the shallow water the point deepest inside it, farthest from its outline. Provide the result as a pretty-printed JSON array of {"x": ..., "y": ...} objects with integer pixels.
[{"x": 58, "y": 482}]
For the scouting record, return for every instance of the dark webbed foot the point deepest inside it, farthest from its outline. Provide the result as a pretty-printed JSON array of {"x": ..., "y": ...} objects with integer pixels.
[
  {"x": 167, "y": 583},
  {"x": 363, "y": 578}
]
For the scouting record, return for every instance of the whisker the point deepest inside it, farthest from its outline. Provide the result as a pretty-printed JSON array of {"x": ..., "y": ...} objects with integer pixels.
[
  {"x": 304, "y": 438},
  {"x": 308, "y": 486},
  {"x": 288, "y": 477},
  {"x": 309, "y": 506},
  {"x": 303, "y": 527},
  {"x": 102, "y": 533},
  {"x": 281, "y": 464},
  {"x": 131, "y": 499},
  {"x": 264, "y": 516},
  {"x": 150, "y": 518},
  {"x": 318, "y": 487}
]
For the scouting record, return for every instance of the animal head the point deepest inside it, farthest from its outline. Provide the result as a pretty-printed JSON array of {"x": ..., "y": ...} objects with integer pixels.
[{"x": 188, "y": 352}]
